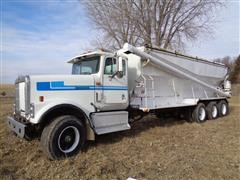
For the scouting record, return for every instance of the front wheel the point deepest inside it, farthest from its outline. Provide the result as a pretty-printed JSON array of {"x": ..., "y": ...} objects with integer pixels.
[{"x": 63, "y": 137}]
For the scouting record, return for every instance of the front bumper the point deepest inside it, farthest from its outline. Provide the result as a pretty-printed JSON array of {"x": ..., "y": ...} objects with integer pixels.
[{"x": 17, "y": 127}]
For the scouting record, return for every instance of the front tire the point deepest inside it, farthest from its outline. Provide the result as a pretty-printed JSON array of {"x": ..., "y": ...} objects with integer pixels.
[
  {"x": 63, "y": 137},
  {"x": 188, "y": 112}
]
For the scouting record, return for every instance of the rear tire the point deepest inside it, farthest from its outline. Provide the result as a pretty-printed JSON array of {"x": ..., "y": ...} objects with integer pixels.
[
  {"x": 63, "y": 137},
  {"x": 188, "y": 114},
  {"x": 212, "y": 110},
  {"x": 199, "y": 113},
  {"x": 223, "y": 108}
]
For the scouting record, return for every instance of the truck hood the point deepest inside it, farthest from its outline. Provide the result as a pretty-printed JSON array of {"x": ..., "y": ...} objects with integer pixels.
[{"x": 61, "y": 82}]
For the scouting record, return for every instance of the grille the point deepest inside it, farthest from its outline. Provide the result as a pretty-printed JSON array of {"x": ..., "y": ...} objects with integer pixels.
[
  {"x": 17, "y": 106},
  {"x": 22, "y": 100}
]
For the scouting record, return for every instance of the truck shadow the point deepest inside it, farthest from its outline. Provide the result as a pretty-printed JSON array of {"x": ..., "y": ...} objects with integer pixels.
[{"x": 142, "y": 125}]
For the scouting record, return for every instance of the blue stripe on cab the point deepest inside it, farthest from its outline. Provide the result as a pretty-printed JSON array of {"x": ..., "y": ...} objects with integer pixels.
[
  {"x": 41, "y": 86},
  {"x": 59, "y": 86}
]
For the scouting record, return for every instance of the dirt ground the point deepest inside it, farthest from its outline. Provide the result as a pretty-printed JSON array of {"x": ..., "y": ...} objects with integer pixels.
[{"x": 152, "y": 149}]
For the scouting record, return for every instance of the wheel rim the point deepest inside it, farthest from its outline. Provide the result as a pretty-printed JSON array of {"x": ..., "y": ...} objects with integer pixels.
[
  {"x": 224, "y": 109},
  {"x": 68, "y": 139},
  {"x": 214, "y": 111},
  {"x": 201, "y": 114}
]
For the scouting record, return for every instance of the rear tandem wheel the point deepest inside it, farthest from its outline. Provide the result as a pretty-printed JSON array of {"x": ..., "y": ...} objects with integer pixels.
[
  {"x": 199, "y": 113},
  {"x": 212, "y": 110},
  {"x": 223, "y": 108}
]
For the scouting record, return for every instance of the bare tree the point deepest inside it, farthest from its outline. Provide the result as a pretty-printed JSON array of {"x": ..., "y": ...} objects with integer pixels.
[
  {"x": 163, "y": 23},
  {"x": 235, "y": 75},
  {"x": 227, "y": 60}
]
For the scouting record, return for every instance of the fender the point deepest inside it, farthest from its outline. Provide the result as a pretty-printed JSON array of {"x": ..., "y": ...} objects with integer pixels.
[{"x": 50, "y": 105}]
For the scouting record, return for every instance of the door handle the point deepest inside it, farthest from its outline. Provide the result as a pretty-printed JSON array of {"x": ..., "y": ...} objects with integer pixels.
[{"x": 97, "y": 97}]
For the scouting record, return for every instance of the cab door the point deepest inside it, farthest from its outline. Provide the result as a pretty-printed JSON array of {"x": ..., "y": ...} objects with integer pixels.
[{"x": 115, "y": 84}]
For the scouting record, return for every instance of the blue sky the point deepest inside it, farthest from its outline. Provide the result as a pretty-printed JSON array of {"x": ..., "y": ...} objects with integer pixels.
[{"x": 38, "y": 37}]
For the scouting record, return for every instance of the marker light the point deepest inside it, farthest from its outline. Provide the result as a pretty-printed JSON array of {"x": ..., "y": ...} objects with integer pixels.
[{"x": 41, "y": 98}]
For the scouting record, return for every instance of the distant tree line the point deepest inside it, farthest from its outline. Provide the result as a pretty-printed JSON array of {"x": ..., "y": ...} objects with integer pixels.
[
  {"x": 235, "y": 75},
  {"x": 234, "y": 65}
]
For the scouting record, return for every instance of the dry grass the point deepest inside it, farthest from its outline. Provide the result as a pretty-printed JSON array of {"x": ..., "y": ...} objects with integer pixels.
[
  {"x": 152, "y": 149},
  {"x": 8, "y": 89}
]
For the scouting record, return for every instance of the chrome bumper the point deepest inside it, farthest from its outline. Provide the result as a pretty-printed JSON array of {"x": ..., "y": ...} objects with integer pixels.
[{"x": 16, "y": 126}]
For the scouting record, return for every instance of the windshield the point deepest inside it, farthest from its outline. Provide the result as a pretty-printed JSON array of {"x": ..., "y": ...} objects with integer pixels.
[{"x": 86, "y": 66}]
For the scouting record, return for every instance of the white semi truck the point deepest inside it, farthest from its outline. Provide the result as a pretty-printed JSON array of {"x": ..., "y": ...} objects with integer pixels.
[{"x": 107, "y": 91}]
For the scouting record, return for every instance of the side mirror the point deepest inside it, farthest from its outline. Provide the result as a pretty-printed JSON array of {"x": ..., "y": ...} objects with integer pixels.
[
  {"x": 119, "y": 72},
  {"x": 120, "y": 67},
  {"x": 120, "y": 64}
]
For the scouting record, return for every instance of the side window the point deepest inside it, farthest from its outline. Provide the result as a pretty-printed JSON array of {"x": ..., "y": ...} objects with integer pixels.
[{"x": 110, "y": 66}]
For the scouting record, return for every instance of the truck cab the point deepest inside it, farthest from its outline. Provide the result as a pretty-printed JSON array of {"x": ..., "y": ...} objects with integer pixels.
[
  {"x": 94, "y": 98},
  {"x": 110, "y": 76}
]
